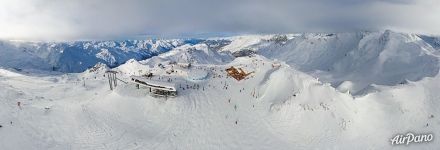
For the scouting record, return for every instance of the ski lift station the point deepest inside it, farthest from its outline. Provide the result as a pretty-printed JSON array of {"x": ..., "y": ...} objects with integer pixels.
[{"x": 156, "y": 88}]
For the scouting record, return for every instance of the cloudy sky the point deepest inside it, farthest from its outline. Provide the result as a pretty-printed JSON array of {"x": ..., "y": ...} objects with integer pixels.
[{"x": 95, "y": 19}]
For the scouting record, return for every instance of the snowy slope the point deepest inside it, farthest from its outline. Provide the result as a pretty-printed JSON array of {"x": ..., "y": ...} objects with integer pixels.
[
  {"x": 389, "y": 58},
  {"x": 433, "y": 41},
  {"x": 294, "y": 106},
  {"x": 241, "y": 42},
  {"x": 199, "y": 53},
  {"x": 276, "y": 108}
]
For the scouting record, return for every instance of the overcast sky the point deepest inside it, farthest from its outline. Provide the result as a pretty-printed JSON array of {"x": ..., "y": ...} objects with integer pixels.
[{"x": 91, "y": 19}]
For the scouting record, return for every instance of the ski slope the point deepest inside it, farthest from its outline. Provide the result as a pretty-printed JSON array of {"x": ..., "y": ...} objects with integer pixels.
[{"x": 286, "y": 107}]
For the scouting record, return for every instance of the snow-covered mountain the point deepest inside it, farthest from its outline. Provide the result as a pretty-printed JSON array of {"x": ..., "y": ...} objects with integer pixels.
[
  {"x": 361, "y": 58},
  {"x": 78, "y": 56},
  {"x": 198, "y": 54},
  {"x": 305, "y": 91}
]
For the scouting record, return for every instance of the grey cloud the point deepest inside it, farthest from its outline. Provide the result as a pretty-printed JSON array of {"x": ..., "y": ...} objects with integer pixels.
[{"x": 79, "y": 19}]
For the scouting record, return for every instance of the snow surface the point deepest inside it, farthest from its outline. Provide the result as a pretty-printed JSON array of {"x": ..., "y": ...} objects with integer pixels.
[{"x": 295, "y": 106}]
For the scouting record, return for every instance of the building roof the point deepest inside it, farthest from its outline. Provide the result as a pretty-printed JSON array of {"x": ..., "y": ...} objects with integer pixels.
[{"x": 154, "y": 83}]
